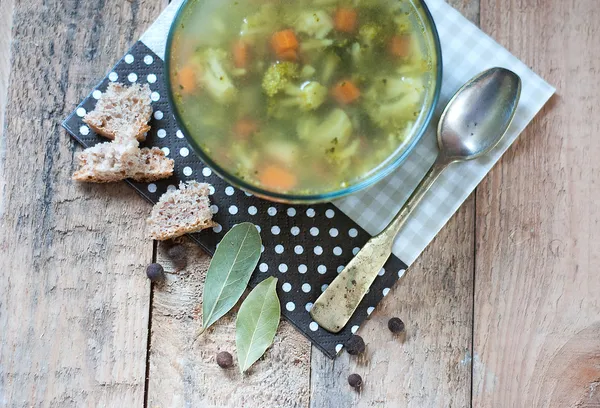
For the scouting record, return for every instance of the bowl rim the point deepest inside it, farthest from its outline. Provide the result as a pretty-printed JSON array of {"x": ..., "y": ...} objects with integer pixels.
[{"x": 309, "y": 198}]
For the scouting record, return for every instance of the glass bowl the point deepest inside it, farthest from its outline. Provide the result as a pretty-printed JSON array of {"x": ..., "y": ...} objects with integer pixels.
[{"x": 432, "y": 41}]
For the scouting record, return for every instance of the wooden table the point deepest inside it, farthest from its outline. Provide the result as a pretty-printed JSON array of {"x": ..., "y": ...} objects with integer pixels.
[{"x": 502, "y": 310}]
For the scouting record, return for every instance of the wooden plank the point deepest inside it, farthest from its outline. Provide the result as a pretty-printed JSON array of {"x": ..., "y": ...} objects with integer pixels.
[
  {"x": 186, "y": 374},
  {"x": 430, "y": 366},
  {"x": 537, "y": 283},
  {"x": 5, "y": 39},
  {"x": 73, "y": 299}
]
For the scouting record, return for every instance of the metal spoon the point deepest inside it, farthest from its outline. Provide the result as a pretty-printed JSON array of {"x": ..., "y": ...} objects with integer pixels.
[{"x": 474, "y": 121}]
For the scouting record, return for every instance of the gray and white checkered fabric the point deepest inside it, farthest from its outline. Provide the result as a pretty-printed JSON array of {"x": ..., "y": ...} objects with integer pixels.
[{"x": 466, "y": 51}]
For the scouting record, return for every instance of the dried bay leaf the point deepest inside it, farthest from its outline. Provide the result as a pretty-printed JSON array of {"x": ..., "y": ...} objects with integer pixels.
[
  {"x": 229, "y": 272},
  {"x": 257, "y": 322}
]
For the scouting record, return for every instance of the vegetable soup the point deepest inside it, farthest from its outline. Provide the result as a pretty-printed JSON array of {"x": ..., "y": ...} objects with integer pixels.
[{"x": 301, "y": 97}]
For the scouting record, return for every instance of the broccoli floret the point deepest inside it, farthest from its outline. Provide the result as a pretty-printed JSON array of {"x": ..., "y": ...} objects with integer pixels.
[
  {"x": 215, "y": 78},
  {"x": 308, "y": 96},
  {"x": 278, "y": 76},
  {"x": 335, "y": 129},
  {"x": 316, "y": 24},
  {"x": 371, "y": 35}
]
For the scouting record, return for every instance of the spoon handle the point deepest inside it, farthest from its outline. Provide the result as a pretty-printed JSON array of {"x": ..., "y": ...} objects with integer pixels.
[{"x": 336, "y": 305}]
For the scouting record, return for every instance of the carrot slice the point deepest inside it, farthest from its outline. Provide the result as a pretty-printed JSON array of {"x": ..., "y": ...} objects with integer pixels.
[
  {"x": 274, "y": 176},
  {"x": 284, "y": 41},
  {"x": 400, "y": 46},
  {"x": 289, "y": 55},
  {"x": 244, "y": 128},
  {"x": 187, "y": 78},
  {"x": 345, "y": 92},
  {"x": 345, "y": 20},
  {"x": 241, "y": 54}
]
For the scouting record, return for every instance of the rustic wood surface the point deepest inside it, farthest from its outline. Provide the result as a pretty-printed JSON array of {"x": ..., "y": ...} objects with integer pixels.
[{"x": 502, "y": 309}]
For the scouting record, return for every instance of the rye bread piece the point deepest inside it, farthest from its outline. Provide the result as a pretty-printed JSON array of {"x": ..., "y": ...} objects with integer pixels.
[
  {"x": 122, "y": 111},
  {"x": 181, "y": 212},
  {"x": 110, "y": 162}
]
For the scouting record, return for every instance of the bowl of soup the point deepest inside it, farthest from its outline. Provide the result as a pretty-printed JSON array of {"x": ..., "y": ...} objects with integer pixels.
[{"x": 303, "y": 101}]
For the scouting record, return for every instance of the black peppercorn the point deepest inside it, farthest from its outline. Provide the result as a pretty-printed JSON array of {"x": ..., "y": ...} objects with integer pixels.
[
  {"x": 355, "y": 381},
  {"x": 396, "y": 325},
  {"x": 355, "y": 345},
  {"x": 155, "y": 272},
  {"x": 178, "y": 256},
  {"x": 224, "y": 359}
]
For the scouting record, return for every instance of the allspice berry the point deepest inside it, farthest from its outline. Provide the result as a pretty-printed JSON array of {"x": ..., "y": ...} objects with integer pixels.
[
  {"x": 396, "y": 325},
  {"x": 178, "y": 256},
  {"x": 224, "y": 359},
  {"x": 355, "y": 381},
  {"x": 155, "y": 272},
  {"x": 355, "y": 345}
]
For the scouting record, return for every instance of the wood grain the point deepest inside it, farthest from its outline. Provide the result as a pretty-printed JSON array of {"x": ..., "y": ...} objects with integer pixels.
[
  {"x": 537, "y": 304},
  {"x": 73, "y": 298},
  {"x": 183, "y": 373},
  {"x": 430, "y": 366}
]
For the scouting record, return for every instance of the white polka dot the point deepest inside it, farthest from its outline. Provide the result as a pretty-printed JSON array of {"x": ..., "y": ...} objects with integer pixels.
[
  {"x": 324, "y": 287},
  {"x": 229, "y": 190},
  {"x": 279, "y": 249},
  {"x": 113, "y": 76},
  {"x": 187, "y": 171},
  {"x": 337, "y": 251},
  {"x": 262, "y": 247},
  {"x": 354, "y": 329},
  {"x": 370, "y": 310},
  {"x": 290, "y": 306},
  {"x": 214, "y": 209},
  {"x": 132, "y": 77},
  {"x": 386, "y": 291},
  {"x": 211, "y": 190},
  {"x": 298, "y": 249},
  {"x": 306, "y": 288},
  {"x": 322, "y": 269},
  {"x": 302, "y": 268},
  {"x": 329, "y": 213},
  {"x": 263, "y": 267},
  {"x": 338, "y": 348},
  {"x": 275, "y": 230},
  {"x": 401, "y": 273},
  {"x": 314, "y": 231},
  {"x": 340, "y": 268},
  {"x": 333, "y": 232},
  {"x": 313, "y": 326},
  {"x": 353, "y": 232},
  {"x": 310, "y": 212},
  {"x": 81, "y": 112},
  {"x": 166, "y": 150},
  {"x": 158, "y": 115},
  {"x": 179, "y": 134},
  {"x": 291, "y": 211},
  {"x": 355, "y": 250},
  {"x": 151, "y": 78},
  {"x": 308, "y": 306},
  {"x": 148, "y": 59},
  {"x": 381, "y": 272},
  {"x": 318, "y": 250},
  {"x": 286, "y": 287},
  {"x": 184, "y": 152},
  {"x": 96, "y": 94},
  {"x": 161, "y": 133},
  {"x": 252, "y": 210},
  {"x": 272, "y": 211},
  {"x": 233, "y": 210},
  {"x": 217, "y": 228},
  {"x": 84, "y": 130},
  {"x": 283, "y": 268},
  {"x": 155, "y": 96},
  {"x": 129, "y": 58},
  {"x": 257, "y": 228},
  {"x": 206, "y": 172},
  {"x": 171, "y": 188},
  {"x": 152, "y": 188},
  {"x": 295, "y": 231},
  {"x": 247, "y": 194}
]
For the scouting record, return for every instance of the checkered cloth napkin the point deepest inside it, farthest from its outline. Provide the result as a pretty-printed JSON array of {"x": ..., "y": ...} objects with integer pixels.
[{"x": 466, "y": 51}]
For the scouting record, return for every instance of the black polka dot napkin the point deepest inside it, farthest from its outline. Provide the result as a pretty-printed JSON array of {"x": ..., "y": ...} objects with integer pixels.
[{"x": 305, "y": 247}]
